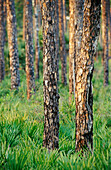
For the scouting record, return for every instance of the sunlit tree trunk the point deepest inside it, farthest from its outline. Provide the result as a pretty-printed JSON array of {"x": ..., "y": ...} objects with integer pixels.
[
  {"x": 51, "y": 97},
  {"x": 71, "y": 50},
  {"x": 64, "y": 14},
  {"x": 87, "y": 30},
  {"x": 13, "y": 47},
  {"x": 29, "y": 48},
  {"x": 2, "y": 28},
  {"x": 36, "y": 9},
  {"x": 105, "y": 40},
  {"x": 62, "y": 43}
]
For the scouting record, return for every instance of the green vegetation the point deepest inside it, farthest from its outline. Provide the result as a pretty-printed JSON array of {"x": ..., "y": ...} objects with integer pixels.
[
  {"x": 21, "y": 128},
  {"x": 22, "y": 121}
]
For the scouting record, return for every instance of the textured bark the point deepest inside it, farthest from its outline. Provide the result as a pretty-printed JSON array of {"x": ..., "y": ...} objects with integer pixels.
[
  {"x": 62, "y": 43},
  {"x": 37, "y": 50},
  {"x": 105, "y": 40},
  {"x": 5, "y": 19},
  {"x": 13, "y": 48},
  {"x": 51, "y": 97},
  {"x": 64, "y": 14},
  {"x": 87, "y": 31},
  {"x": 24, "y": 21},
  {"x": 39, "y": 14},
  {"x": 57, "y": 41},
  {"x": 29, "y": 49},
  {"x": 110, "y": 29},
  {"x": 2, "y": 62},
  {"x": 109, "y": 26},
  {"x": 71, "y": 49},
  {"x": 102, "y": 21}
]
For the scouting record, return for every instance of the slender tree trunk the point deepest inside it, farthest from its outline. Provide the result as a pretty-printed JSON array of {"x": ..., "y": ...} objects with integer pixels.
[
  {"x": 109, "y": 27},
  {"x": 29, "y": 49},
  {"x": 110, "y": 32},
  {"x": 36, "y": 9},
  {"x": 39, "y": 14},
  {"x": 51, "y": 97},
  {"x": 62, "y": 43},
  {"x": 71, "y": 50},
  {"x": 57, "y": 40},
  {"x": 13, "y": 48},
  {"x": 2, "y": 62},
  {"x": 105, "y": 40},
  {"x": 87, "y": 31},
  {"x": 5, "y": 19},
  {"x": 24, "y": 21},
  {"x": 64, "y": 14}
]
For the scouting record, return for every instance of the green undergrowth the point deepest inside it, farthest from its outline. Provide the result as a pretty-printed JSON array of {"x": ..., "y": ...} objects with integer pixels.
[{"x": 21, "y": 128}]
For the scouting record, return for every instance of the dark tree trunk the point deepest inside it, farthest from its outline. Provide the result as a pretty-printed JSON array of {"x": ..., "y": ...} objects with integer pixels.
[
  {"x": 36, "y": 9},
  {"x": 5, "y": 19},
  {"x": 62, "y": 43},
  {"x": 57, "y": 40},
  {"x": 105, "y": 40},
  {"x": 2, "y": 32},
  {"x": 13, "y": 47},
  {"x": 39, "y": 14},
  {"x": 24, "y": 21},
  {"x": 87, "y": 31},
  {"x": 51, "y": 97},
  {"x": 29, "y": 49}
]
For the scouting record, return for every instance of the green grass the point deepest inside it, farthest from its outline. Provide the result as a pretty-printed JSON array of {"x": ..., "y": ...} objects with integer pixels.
[{"x": 21, "y": 128}]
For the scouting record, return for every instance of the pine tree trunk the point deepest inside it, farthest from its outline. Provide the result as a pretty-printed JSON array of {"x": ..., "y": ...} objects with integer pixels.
[
  {"x": 109, "y": 27},
  {"x": 51, "y": 97},
  {"x": 2, "y": 62},
  {"x": 87, "y": 31},
  {"x": 57, "y": 41},
  {"x": 36, "y": 9},
  {"x": 71, "y": 49},
  {"x": 29, "y": 48},
  {"x": 64, "y": 14},
  {"x": 105, "y": 40},
  {"x": 5, "y": 19},
  {"x": 39, "y": 15},
  {"x": 24, "y": 21},
  {"x": 13, "y": 47},
  {"x": 62, "y": 43}
]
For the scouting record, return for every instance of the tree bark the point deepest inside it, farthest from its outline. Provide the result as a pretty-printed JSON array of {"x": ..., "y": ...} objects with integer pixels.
[
  {"x": 29, "y": 49},
  {"x": 87, "y": 31},
  {"x": 51, "y": 97},
  {"x": 13, "y": 47},
  {"x": 64, "y": 14},
  {"x": 5, "y": 19},
  {"x": 62, "y": 43},
  {"x": 105, "y": 40},
  {"x": 71, "y": 50},
  {"x": 2, "y": 32},
  {"x": 39, "y": 14},
  {"x": 37, "y": 50},
  {"x": 24, "y": 21},
  {"x": 57, "y": 41}
]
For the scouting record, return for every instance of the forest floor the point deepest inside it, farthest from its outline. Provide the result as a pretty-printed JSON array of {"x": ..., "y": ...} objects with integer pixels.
[{"x": 22, "y": 121}]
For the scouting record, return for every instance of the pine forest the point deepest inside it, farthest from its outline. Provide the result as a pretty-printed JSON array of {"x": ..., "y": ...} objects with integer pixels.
[{"x": 55, "y": 84}]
